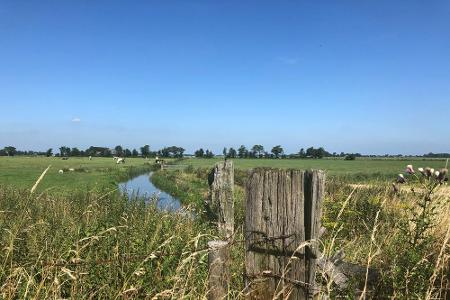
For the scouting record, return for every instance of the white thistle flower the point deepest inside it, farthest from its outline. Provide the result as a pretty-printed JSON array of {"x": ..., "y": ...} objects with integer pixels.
[{"x": 409, "y": 169}]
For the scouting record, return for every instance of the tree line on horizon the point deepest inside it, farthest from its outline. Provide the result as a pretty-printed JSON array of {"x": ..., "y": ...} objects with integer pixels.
[
  {"x": 256, "y": 151},
  {"x": 64, "y": 151}
]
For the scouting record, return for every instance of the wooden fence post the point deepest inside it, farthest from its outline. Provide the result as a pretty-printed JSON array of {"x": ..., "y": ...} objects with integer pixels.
[
  {"x": 221, "y": 188},
  {"x": 219, "y": 272},
  {"x": 283, "y": 211}
]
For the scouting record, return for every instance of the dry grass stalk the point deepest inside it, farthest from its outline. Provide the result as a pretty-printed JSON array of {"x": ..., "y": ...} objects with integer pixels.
[{"x": 39, "y": 179}]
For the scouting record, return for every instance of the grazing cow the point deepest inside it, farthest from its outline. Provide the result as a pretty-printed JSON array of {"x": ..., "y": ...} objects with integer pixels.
[
  {"x": 120, "y": 160},
  {"x": 90, "y": 157},
  {"x": 115, "y": 157}
]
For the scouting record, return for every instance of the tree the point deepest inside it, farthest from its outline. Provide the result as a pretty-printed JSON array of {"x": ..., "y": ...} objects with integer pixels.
[
  {"x": 302, "y": 153},
  {"x": 242, "y": 152},
  {"x": 310, "y": 152},
  {"x": 317, "y": 153},
  {"x": 145, "y": 151},
  {"x": 49, "y": 152},
  {"x": 75, "y": 152},
  {"x": 258, "y": 149},
  {"x": 320, "y": 153},
  {"x": 277, "y": 151},
  {"x": 172, "y": 151},
  {"x": 106, "y": 152},
  {"x": 119, "y": 150},
  {"x": 10, "y": 150},
  {"x": 199, "y": 153},
  {"x": 135, "y": 153},
  {"x": 127, "y": 152},
  {"x": 232, "y": 153},
  {"x": 224, "y": 152},
  {"x": 64, "y": 151},
  {"x": 209, "y": 154}
]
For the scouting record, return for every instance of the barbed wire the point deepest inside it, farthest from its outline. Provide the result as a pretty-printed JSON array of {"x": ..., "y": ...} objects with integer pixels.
[{"x": 153, "y": 255}]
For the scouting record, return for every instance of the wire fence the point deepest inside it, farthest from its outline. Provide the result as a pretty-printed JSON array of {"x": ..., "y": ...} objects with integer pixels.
[{"x": 151, "y": 256}]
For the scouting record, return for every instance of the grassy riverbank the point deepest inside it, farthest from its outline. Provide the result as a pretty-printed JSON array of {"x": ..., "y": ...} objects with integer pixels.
[{"x": 94, "y": 243}]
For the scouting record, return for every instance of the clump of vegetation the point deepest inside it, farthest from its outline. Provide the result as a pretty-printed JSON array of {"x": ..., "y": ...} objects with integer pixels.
[
  {"x": 420, "y": 254},
  {"x": 402, "y": 234},
  {"x": 350, "y": 157},
  {"x": 97, "y": 245}
]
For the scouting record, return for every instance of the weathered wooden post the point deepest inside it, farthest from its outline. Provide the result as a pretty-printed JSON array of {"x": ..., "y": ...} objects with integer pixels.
[
  {"x": 283, "y": 211},
  {"x": 219, "y": 271},
  {"x": 221, "y": 188}
]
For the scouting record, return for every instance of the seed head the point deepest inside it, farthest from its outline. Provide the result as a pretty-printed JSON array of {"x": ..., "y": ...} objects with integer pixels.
[
  {"x": 401, "y": 178},
  {"x": 442, "y": 175},
  {"x": 409, "y": 169}
]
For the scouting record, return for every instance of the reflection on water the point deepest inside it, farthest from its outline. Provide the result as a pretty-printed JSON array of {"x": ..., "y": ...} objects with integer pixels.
[{"x": 141, "y": 186}]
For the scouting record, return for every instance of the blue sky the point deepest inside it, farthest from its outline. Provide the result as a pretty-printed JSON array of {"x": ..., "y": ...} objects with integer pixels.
[{"x": 352, "y": 76}]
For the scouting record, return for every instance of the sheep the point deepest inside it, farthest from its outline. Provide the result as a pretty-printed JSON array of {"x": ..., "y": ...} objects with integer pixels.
[{"x": 60, "y": 171}]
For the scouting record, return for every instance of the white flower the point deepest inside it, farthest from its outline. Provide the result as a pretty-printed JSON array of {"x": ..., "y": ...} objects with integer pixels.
[{"x": 409, "y": 169}]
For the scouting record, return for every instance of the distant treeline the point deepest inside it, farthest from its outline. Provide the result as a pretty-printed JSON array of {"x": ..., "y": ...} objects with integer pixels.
[
  {"x": 257, "y": 151},
  {"x": 64, "y": 151}
]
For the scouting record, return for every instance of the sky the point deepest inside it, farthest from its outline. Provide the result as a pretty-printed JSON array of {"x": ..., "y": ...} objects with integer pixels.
[{"x": 354, "y": 76}]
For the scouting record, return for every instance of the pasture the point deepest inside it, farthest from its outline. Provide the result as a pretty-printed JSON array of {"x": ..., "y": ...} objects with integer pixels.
[
  {"x": 100, "y": 172},
  {"x": 361, "y": 168}
]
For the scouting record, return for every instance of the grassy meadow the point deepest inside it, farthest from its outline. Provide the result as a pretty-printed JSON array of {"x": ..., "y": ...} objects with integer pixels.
[
  {"x": 75, "y": 239},
  {"x": 361, "y": 168},
  {"x": 100, "y": 172}
]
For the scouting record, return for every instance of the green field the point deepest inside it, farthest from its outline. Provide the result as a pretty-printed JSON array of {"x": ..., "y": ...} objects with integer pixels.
[
  {"x": 22, "y": 172},
  {"x": 359, "y": 168}
]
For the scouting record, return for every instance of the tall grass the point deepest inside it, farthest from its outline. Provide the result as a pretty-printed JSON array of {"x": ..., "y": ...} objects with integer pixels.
[
  {"x": 98, "y": 244},
  {"x": 85, "y": 245}
]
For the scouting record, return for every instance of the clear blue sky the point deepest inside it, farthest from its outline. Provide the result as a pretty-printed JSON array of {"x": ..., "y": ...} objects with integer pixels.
[{"x": 353, "y": 76}]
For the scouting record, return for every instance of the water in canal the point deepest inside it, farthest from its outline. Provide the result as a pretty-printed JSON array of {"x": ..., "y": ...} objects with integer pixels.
[{"x": 141, "y": 186}]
